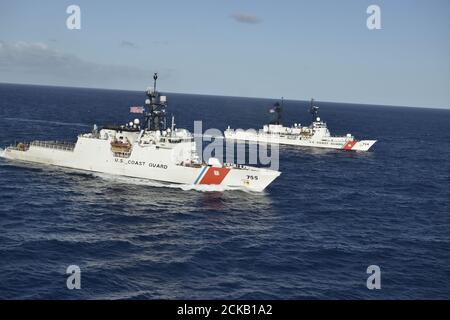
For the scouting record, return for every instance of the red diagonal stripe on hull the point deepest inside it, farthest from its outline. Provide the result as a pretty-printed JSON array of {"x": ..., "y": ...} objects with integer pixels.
[
  {"x": 349, "y": 145},
  {"x": 214, "y": 175}
]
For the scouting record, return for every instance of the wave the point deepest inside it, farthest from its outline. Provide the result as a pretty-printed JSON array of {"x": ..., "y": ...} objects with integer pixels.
[{"x": 50, "y": 122}]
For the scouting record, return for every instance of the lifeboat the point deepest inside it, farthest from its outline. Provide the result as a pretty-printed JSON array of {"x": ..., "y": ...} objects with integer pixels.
[
  {"x": 22, "y": 146},
  {"x": 120, "y": 147}
]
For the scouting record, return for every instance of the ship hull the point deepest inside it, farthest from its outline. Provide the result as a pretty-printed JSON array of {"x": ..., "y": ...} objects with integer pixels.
[
  {"x": 328, "y": 143},
  {"x": 150, "y": 162}
]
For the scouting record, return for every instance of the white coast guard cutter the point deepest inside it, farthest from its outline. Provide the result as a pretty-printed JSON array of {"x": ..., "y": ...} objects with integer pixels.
[
  {"x": 316, "y": 135},
  {"x": 149, "y": 151}
]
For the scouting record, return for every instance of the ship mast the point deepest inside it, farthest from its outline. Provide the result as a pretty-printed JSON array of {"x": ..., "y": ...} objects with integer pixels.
[
  {"x": 313, "y": 110},
  {"x": 155, "y": 109},
  {"x": 277, "y": 108}
]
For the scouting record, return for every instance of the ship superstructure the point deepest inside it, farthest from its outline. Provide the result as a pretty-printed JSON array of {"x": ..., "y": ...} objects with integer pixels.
[
  {"x": 144, "y": 148},
  {"x": 315, "y": 135}
]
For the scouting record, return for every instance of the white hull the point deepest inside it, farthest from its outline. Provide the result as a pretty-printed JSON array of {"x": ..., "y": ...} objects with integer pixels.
[
  {"x": 343, "y": 143},
  {"x": 152, "y": 162}
]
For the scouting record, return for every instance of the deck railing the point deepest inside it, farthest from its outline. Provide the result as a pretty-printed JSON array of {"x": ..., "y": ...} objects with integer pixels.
[{"x": 59, "y": 145}]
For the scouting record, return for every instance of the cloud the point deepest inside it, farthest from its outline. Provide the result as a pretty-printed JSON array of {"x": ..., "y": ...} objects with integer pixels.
[
  {"x": 128, "y": 44},
  {"x": 25, "y": 62},
  {"x": 245, "y": 18},
  {"x": 160, "y": 42}
]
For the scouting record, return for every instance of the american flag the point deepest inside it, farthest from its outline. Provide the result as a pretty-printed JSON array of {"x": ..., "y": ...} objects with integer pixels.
[{"x": 136, "y": 109}]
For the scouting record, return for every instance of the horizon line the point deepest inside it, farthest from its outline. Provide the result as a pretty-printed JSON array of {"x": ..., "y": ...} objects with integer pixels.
[{"x": 225, "y": 95}]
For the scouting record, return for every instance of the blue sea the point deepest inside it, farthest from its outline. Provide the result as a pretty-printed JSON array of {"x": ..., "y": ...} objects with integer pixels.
[{"x": 310, "y": 235}]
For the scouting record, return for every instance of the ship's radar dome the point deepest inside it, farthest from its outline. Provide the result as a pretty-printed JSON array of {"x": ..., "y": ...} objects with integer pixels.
[
  {"x": 136, "y": 121},
  {"x": 147, "y": 101}
]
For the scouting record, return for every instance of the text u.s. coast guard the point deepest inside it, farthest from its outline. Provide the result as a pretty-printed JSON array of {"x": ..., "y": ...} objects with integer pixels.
[{"x": 140, "y": 163}]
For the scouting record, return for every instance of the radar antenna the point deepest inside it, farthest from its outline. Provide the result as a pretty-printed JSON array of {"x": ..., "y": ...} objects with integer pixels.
[{"x": 155, "y": 77}]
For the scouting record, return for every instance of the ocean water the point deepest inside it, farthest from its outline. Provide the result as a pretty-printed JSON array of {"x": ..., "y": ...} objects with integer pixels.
[{"x": 311, "y": 235}]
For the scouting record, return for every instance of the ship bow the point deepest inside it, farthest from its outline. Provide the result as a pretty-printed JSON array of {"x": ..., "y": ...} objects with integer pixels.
[{"x": 364, "y": 145}]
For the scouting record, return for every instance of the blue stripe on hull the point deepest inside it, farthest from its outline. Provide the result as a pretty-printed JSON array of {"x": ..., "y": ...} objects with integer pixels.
[{"x": 200, "y": 175}]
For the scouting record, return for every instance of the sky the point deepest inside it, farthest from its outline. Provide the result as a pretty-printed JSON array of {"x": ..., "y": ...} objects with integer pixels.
[{"x": 256, "y": 48}]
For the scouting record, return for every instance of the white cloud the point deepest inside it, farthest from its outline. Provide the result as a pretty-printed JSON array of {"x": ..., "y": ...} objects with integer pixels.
[
  {"x": 245, "y": 18},
  {"x": 25, "y": 62},
  {"x": 128, "y": 44}
]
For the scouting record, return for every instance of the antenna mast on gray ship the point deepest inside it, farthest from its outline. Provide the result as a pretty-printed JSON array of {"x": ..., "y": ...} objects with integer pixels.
[
  {"x": 313, "y": 110},
  {"x": 277, "y": 108},
  {"x": 155, "y": 108}
]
